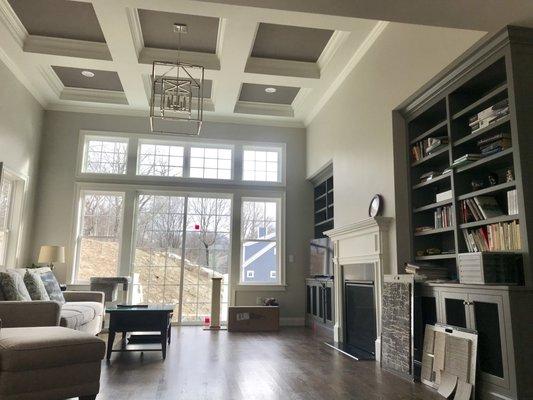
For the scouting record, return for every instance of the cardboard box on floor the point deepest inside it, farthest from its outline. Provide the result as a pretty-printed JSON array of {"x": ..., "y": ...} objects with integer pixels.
[{"x": 253, "y": 319}]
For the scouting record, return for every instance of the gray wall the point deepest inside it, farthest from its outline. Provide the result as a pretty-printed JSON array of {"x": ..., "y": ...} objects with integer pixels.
[
  {"x": 21, "y": 119},
  {"x": 354, "y": 129},
  {"x": 55, "y": 209}
]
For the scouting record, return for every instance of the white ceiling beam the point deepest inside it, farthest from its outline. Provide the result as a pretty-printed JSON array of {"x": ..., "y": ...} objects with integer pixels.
[{"x": 115, "y": 25}]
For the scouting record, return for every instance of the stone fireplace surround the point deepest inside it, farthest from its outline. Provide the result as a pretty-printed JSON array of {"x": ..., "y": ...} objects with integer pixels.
[{"x": 360, "y": 253}]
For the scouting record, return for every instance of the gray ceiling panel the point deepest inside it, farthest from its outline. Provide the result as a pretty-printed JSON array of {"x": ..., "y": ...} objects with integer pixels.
[
  {"x": 157, "y": 30},
  {"x": 256, "y": 93},
  {"x": 295, "y": 43},
  {"x": 59, "y": 18},
  {"x": 102, "y": 80}
]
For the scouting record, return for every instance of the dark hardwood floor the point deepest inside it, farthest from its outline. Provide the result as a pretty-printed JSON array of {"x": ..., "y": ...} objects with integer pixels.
[{"x": 289, "y": 365}]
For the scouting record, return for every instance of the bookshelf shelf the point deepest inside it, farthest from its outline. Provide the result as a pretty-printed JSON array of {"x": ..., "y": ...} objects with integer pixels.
[
  {"x": 432, "y": 181},
  {"x": 436, "y": 257},
  {"x": 471, "y": 109},
  {"x": 482, "y": 132},
  {"x": 489, "y": 190},
  {"x": 504, "y": 157},
  {"x": 430, "y": 132},
  {"x": 326, "y": 221},
  {"x": 433, "y": 206},
  {"x": 323, "y": 203},
  {"x": 488, "y": 221},
  {"x": 435, "y": 231},
  {"x": 432, "y": 156}
]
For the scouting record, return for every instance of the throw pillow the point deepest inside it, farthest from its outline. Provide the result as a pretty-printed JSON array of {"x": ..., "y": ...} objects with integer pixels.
[
  {"x": 13, "y": 288},
  {"x": 35, "y": 286},
  {"x": 52, "y": 287}
]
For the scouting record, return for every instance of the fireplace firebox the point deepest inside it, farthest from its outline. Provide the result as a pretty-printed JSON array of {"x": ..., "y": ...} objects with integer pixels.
[{"x": 360, "y": 319}]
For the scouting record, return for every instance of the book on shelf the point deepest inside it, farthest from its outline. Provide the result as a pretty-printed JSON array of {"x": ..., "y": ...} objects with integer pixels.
[
  {"x": 485, "y": 122},
  {"x": 512, "y": 202},
  {"x": 504, "y": 236},
  {"x": 425, "y": 228},
  {"x": 480, "y": 208},
  {"x": 487, "y": 112},
  {"x": 426, "y": 271},
  {"x": 443, "y": 217},
  {"x": 446, "y": 195},
  {"x": 466, "y": 159},
  {"x": 494, "y": 138},
  {"x": 425, "y": 147}
]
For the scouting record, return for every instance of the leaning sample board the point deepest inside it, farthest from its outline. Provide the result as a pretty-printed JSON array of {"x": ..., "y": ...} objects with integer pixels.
[
  {"x": 449, "y": 361},
  {"x": 397, "y": 324}
]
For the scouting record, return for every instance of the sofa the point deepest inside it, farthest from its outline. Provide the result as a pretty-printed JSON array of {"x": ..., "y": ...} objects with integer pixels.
[
  {"x": 40, "y": 360},
  {"x": 79, "y": 310}
]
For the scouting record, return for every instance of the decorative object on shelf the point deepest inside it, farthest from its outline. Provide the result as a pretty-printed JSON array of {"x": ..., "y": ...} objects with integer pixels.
[
  {"x": 477, "y": 184},
  {"x": 177, "y": 100},
  {"x": 433, "y": 251},
  {"x": 509, "y": 176},
  {"x": 51, "y": 254},
  {"x": 376, "y": 206},
  {"x": 493, "y": 179}
]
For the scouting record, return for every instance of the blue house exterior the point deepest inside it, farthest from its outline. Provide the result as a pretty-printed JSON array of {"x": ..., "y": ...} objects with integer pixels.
[{"x": 260, "y": 262}]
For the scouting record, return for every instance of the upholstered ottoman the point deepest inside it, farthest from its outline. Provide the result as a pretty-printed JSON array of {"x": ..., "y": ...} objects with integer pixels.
[{"x": 48, "y": 363}]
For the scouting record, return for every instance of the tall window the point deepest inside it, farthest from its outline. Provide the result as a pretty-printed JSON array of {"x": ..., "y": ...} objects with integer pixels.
[
  {"x": 105, "y": 155},
  {"x": 99, "y": 234},
  {"x": 210, "y": 163},
  {"x": 261, "y": 165},
  {"x": 260, "y": 245},
  {"x": 157, "y": 159},
  {"x": 6, "y": 206}
]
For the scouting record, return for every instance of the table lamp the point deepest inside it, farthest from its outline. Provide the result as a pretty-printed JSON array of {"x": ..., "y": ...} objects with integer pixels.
[{"x": 51, "y": 254}]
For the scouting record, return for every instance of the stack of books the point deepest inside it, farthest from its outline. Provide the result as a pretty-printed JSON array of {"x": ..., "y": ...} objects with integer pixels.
[
  {"x": 427, "y": 272},
  {"x": 466, "y": 159},
  {"x": 489, "y": 115},
  {"x": 512, "y": 202},
  {"x": 443, "y": 217},
  {"x": 504, "y": 236},
  {"x": 479, "y": 208},
  {"x": 494, "y": 143},
  {"x": 427, "y": 146}
]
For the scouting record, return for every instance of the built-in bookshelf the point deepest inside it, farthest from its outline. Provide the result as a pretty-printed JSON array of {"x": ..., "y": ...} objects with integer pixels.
[
  {"x": 469, "y": 139},
  {"x": 323, "y": 206}
]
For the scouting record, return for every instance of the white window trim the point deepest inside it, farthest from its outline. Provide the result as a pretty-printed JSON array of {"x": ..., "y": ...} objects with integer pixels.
[
  {"x": 76, "y": 238},
  {"x": 134, "y": 139},
  {"x": 280, "y": 243},
  {"x": 83, "y": 149},
  {"x": 281, "y": 162},
  {"x": 16, "y": 215}
]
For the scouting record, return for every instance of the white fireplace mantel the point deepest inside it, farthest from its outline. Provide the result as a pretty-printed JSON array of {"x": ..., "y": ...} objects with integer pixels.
[{"x": 362, "y": 242}]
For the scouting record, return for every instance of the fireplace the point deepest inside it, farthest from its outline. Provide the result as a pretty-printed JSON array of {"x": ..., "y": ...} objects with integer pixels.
[
  {"x": 360, "y": 319},
  {"x": 360, "y": 261}
]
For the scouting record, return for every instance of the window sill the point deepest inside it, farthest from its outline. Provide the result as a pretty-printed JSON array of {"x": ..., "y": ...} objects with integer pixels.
[{"x": 260, "y": 288}]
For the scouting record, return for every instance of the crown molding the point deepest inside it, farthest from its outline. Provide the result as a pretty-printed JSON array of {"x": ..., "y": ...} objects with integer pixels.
[
  {"x": 12, "y": 23},
  {"x": 51, "y": 79},
  {"x": 67, "y": 47},
  {"x": 354, "y": 60},
  {"x": 334, "y": 43},
  {"x": 209, "y": 61},
  {"x": 93, "y": 95},
  {"x": 271, "y": 66},
  {"x": 136, "y": 30},
  {"x": 300, "y": 97},
  {"x": 252, "y": 107}
]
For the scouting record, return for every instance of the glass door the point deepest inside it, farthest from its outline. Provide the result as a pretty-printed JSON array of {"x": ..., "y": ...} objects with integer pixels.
[
  {"x": 207, "y": 254},
  {"x": 181, "y": 242},
  {"x": 157, "y": 263}
]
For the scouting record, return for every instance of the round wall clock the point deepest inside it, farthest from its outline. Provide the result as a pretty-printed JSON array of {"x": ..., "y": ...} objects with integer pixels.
[{"x": 376, "y": 206}]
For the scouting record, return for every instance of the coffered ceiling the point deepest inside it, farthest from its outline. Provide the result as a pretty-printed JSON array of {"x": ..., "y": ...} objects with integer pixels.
[{"x": 262, "y": 65}]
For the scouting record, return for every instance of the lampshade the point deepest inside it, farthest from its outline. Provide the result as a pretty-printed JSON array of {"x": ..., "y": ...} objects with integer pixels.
[{"x": 51, "y": 254}]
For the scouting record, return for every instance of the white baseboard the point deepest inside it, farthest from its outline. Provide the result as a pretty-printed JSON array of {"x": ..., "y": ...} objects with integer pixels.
[{"x": 292, "y": 321}]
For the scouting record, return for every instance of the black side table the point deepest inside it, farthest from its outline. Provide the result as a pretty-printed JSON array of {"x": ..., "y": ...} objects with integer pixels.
[{"x": 153, "y": 318}]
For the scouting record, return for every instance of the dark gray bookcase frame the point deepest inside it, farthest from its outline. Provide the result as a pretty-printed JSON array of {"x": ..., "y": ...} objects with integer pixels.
[{"x": 500, "y": 66}]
